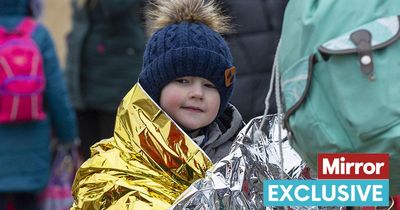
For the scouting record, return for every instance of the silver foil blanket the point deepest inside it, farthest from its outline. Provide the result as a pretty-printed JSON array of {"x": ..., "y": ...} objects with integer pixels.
[{"x": 236, "y": 182}]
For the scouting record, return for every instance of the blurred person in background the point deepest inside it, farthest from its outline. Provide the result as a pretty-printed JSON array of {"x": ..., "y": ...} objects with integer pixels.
[
  {"x": 25, "y": 155},
  {"x": 105, "y": 50},
  {"x": 257, "y": 30}
]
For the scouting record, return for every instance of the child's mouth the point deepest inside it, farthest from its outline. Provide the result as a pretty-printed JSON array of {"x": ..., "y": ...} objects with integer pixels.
[{"x": 192, "y": 109}]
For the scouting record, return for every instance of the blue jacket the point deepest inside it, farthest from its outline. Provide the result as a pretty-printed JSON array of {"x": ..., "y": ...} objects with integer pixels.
[{"x": 25, "y": 148}]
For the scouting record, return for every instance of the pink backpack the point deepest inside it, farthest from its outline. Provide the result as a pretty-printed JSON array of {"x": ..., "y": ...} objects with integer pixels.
[{"x": 22, "y": 78}]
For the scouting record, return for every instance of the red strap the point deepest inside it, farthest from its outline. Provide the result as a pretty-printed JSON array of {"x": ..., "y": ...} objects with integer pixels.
[
  {"x": 27, "y": 26},
  {"x": 396, "y": 202}
]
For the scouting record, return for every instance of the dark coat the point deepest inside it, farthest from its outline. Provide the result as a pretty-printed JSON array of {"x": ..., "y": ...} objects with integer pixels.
[
  {"x": 257, "y": 26},
  {"x": 105, "y": 52},
  {"x": 25, "y": 147}
]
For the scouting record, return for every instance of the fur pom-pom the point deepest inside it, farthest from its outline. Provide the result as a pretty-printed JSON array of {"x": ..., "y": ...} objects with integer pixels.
[{"x": 161, "y": 13}]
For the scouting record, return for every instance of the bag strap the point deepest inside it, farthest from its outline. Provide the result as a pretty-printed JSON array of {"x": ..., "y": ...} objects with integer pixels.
[
  {"x": 275, "y": 84},
  {"x": 2, "y": 30},
  {"x": 26, "y": 26}
]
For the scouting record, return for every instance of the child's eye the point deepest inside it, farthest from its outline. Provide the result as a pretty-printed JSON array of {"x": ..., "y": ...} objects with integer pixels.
[
  {"x": 183, "y": 81},
  {"x": 209, "y": 85}
]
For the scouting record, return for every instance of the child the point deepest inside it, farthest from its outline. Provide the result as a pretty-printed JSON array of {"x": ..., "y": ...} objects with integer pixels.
[
  {"x": 24, "y": 136},
  {"x": 187, "y": 71}
]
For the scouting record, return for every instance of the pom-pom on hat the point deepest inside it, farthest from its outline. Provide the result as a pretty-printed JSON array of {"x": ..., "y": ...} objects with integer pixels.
[{"x": 185, "y": 41}]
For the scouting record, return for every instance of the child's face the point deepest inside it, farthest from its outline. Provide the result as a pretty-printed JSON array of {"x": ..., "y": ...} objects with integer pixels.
[{"x": 193, "y": 102}]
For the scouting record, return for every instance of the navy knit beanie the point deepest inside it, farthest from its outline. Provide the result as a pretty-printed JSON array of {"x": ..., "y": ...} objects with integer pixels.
[{"x": 187, "y": 48}]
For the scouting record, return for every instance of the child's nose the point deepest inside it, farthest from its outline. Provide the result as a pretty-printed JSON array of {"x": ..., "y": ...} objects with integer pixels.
[{"x": 197, "y": 91}]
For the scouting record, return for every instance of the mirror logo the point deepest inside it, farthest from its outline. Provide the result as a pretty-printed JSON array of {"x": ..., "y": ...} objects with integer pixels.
[{"x": 344, "y": 179}]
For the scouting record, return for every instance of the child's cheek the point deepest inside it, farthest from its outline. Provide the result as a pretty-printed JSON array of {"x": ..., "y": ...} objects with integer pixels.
[
  {"x": 171, "y": 100},
  {"x": 175, "y": 100}
]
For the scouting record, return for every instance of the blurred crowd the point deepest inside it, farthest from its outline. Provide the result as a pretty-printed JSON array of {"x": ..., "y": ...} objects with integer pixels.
[
  {"x": 154, "y": 97},
  {"x": 104, "y": 53}
]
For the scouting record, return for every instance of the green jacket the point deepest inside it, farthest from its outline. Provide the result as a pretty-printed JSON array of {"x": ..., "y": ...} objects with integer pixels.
[{"x": 105, "y": 52}]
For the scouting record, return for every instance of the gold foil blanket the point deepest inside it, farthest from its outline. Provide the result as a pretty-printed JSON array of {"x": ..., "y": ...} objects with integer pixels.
[{"x": 147, "y": 164}]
